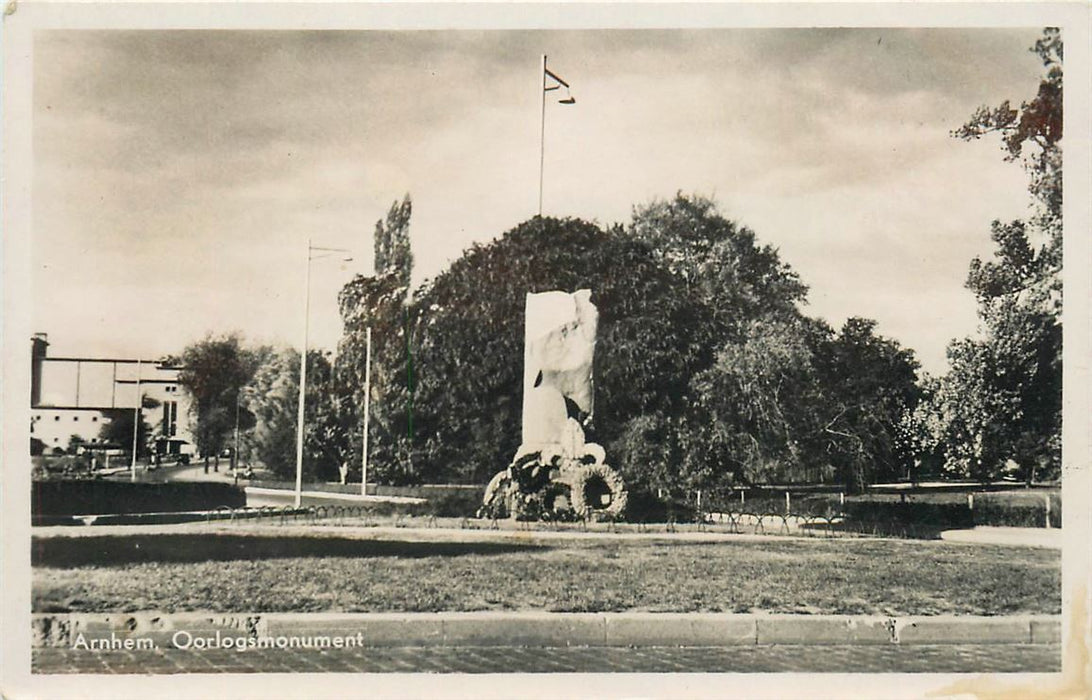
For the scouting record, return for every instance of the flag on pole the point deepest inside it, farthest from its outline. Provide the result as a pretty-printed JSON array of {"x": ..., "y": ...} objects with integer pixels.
[
  {"x": 557, "y": 84},
  {"x": 550, "y": 81}
]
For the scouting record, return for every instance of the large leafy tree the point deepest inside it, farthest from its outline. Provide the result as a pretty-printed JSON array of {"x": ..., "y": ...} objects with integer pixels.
[
  {"x": 1032, "y": 133},
  {"x": 118, "y": 428},
  {"x": 870, "y": 385},
  {"x": 272, "y": 396},
  {"x": 381, "y": 302},
  {"x": 393, "y": 254},
  {"x": 756, "y": 408},
  {"x": 1001, "y": 403},
  {"x": 706, "y": 372},
  {"x": 721, "y": 264},
  {"x": 753, "y": 411},
  {"x": 468, "y": 341},
  {"x": 214, "y": 371}
]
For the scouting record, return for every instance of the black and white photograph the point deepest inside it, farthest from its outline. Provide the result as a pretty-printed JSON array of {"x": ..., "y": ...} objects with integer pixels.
[{"x": 616, "y": 354}]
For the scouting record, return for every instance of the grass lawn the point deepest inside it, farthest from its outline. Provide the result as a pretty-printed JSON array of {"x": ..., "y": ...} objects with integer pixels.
[{"x": 261, "y": 572}]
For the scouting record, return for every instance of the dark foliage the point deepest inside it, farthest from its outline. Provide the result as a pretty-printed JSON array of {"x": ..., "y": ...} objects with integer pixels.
[
  {"x": 469, "y": 340},
  {"x": 97, "y": 497}
]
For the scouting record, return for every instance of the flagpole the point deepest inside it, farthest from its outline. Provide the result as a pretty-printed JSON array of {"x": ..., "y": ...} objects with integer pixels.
[{"x": 542, "y": 135}]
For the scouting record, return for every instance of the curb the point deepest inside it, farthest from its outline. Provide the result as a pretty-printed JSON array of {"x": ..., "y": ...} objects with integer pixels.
[
  {"x": 162, "y": 518},
  {"x": 528, "y": 629},
  {"x": 333, "y": 495}
]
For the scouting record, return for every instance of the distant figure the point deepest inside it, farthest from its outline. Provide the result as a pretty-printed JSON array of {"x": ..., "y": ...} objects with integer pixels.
[{"x": 343, "y": 470}]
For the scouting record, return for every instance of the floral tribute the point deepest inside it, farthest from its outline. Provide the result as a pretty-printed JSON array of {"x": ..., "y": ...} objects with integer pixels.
[{"x": 563, "y": 482}]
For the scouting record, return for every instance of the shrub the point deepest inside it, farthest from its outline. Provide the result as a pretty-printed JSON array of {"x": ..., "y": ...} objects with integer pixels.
[
  {"x": 1001, "y": 514},
  {"x": 910, "y": 513},
  {"x": 646, "y": 507},
  {"x": 98, "y": 497},
  {"x": 455, "y": 504}
]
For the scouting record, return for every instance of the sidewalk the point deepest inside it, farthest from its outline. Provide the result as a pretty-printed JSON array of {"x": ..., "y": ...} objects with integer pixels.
[
  {"x": 492, "y": 642},
  {"x": 534, "y": 629},
  {"x": 1008, "y": 536},
  {"x": 946, "y": 658}
]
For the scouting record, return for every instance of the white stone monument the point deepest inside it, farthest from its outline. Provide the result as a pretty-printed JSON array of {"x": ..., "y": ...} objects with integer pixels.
[
  {"x": 558, "y": 402},
  {"x": 559, "y": 348}
]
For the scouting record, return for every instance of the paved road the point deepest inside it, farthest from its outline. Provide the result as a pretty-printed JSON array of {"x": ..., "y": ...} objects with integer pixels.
[
  {"x": 196, "y": 472},
  {"x": 946, "y": 658},
  {"x": 1012, "y": 536},
  {"x": 256, "y": 498}
]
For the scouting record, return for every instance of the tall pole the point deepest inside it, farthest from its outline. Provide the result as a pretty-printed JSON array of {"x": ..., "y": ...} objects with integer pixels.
[
  {"x": 367, "y": 400},
  {"x": 542, "y": 134},
  {"x": 235, "y": 449},
  {"x": 136, "y": 423},
  {"x": 303, "y": 381}
]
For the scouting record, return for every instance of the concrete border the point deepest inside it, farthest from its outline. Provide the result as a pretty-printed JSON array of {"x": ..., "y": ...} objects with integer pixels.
[
  {"x": 545, "y": 629},
  {"x": 333, "y": 495}
]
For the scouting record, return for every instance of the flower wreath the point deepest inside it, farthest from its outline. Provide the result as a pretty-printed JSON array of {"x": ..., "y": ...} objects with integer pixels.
[{"x": 614, "y": 482}]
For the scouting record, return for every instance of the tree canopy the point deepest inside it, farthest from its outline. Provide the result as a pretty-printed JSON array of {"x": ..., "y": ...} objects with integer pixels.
[
  {"x": 999, "y": 408},
  {"x": 214, "y": 371},
  {"x": 381, "y": 303},
  {"x": 272, "y": 396},
  {"x": 706, "y": 371}
]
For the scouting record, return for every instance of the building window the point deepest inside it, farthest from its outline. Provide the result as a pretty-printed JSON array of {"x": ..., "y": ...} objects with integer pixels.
[
  {"x": 94, "y": 419},
  {"x": 56, "y": 417},
  {"x": 75, "y": 419},
  {"x": 170, "y": 418}
]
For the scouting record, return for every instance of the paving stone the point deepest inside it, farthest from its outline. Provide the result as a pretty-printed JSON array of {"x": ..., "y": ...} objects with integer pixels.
[{"x": 834, "y": 658}]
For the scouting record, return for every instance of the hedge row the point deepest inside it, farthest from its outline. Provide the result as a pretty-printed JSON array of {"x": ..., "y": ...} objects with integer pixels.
[
  {"x": 871, "y": 511},
  {"x": 911, "y": 513},
  {"x": 987, "y": 512},
  {"x": 99, "y": 497}
]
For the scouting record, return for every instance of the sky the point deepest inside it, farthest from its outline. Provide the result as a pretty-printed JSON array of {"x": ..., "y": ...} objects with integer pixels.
[{"x": 179, "y": 175}]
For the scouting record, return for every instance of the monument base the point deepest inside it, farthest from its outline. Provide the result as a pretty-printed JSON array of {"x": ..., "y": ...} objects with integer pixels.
[{"x": 569, "y": 480}]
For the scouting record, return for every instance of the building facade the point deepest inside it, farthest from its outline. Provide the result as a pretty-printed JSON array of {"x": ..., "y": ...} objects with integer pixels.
[{"x": 76, "y": 396}]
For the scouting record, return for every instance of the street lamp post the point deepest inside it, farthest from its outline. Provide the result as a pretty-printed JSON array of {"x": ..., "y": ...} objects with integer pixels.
[
  {"x": 303, "y": 362},
  {"x": 367, "y": 399},
  {"x": 235, "y": 448},
  {"x": 136, "y": 424}
]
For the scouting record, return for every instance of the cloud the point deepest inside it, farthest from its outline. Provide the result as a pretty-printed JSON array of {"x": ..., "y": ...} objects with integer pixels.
[{"x": 194, "y": 165}]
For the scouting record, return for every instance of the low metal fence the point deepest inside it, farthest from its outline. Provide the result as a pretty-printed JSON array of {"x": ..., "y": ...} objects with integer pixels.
[
  {"x": 755, "y": 520},
  {"x": 805, "y": 516}
]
